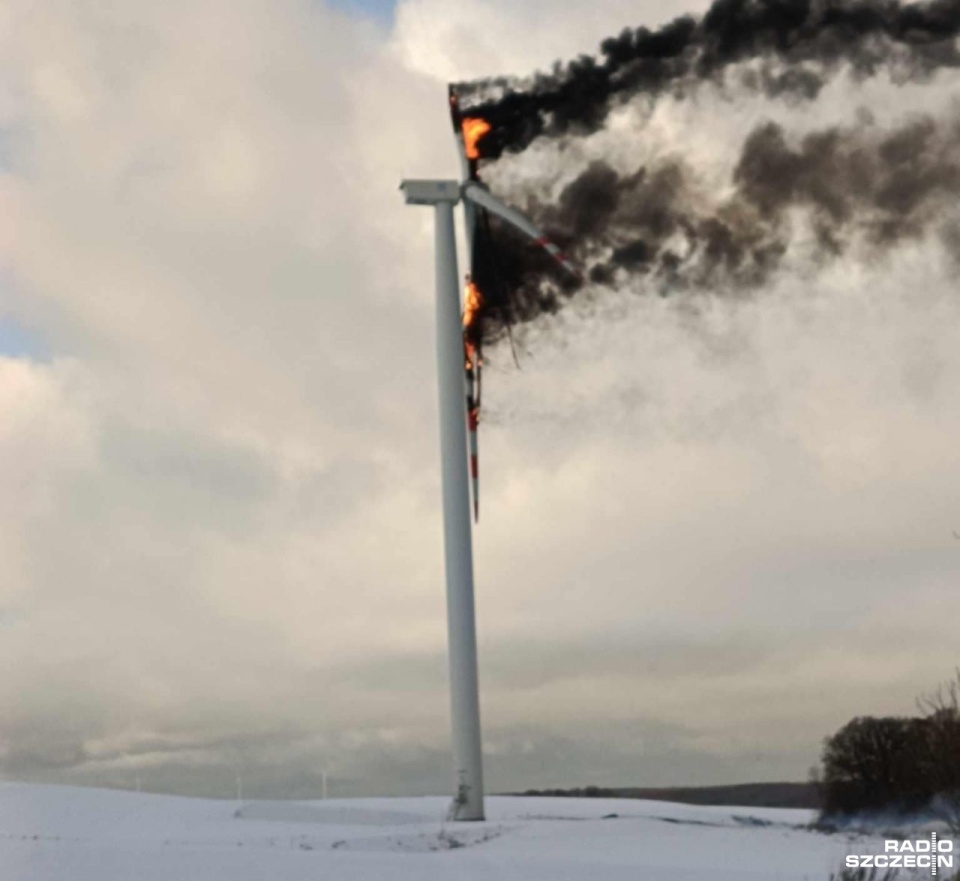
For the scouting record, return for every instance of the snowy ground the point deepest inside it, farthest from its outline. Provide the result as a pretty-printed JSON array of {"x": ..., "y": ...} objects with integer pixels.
[{"x": 52, "y": 833}]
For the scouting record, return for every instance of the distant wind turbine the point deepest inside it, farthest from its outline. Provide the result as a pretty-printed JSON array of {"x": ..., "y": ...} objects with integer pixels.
[{"x": 458, "y": 349}]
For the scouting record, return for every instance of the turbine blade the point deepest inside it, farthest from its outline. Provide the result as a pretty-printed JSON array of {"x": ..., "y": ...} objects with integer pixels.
[
  {"x": 473, "y": 419},
  {"x": 476, "y": 193}
]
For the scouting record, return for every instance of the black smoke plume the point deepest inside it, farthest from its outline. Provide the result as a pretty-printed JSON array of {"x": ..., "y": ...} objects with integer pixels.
[
  {"x": 807, "y": 41},
  {"x": 851, "y": 187}
]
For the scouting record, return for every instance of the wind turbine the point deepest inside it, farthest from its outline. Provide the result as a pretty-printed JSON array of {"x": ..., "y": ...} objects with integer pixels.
[{"x": 458, "y": 352}]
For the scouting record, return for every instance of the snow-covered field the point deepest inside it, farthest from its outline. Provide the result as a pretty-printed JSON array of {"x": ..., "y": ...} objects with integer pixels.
[{"x": 53, "y": 833}]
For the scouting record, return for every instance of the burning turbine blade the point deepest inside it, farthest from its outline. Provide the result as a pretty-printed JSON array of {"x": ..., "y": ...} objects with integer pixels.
[
  {"x": 473, "y": 364},
  {"x": 468, "y": 168},
  {"x": 471, "y": 130},
  {"x": 468, "y": 131},
  {"x": 474, "y": 192}
]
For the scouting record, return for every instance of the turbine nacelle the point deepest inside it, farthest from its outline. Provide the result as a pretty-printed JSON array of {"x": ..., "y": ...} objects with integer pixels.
[{"x": 431, "y": 192}]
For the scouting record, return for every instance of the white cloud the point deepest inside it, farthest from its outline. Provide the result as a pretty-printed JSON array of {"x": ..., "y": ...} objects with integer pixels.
[{"x": 490, "y": 38}]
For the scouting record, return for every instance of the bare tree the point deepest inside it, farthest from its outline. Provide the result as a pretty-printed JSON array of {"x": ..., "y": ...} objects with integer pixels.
[
  {"x": 941, "y": 709},
  {"x": 875, "y": 763}
]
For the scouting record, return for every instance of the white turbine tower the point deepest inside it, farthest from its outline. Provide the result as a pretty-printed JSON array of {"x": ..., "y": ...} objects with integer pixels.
[{"x": 443, "y": 195}]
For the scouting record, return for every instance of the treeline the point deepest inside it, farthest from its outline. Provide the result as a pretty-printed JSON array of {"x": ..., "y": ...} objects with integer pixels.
[
  {"x": 755, "y": 795},
  {"x": 897, "y": 764},
  {"x": 887, "y": 764},
  {"x": 576, "y": 792}
]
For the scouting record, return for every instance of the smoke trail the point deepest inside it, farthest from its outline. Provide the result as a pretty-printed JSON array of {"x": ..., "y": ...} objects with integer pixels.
[
  {"x": 841, "y": 191},
  {"x": 833, "y": 192},
  {"x": 801, "y": 42}
]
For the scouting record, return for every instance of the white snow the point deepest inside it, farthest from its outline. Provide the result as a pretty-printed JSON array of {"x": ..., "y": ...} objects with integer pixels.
[{"x": 54, "y": 833}]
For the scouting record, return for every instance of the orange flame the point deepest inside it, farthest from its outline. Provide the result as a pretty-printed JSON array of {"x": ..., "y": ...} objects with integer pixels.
[
  {"x": 473, "y": 128},
  {"x": 472, "y": 301}
]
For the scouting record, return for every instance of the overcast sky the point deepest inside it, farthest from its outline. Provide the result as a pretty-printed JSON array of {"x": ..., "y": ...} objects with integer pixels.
[{"x": 714, "y": 528}]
